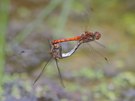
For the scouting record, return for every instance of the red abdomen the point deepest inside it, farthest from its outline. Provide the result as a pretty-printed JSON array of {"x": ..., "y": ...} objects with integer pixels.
[{"x": 66, "y": 39}]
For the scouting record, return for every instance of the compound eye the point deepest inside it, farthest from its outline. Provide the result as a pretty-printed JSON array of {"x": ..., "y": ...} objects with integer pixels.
[{"x": 97, "y": 35}]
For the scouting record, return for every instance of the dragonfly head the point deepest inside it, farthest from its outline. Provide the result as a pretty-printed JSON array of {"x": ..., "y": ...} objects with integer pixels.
[{"x": 97, "y": 35}]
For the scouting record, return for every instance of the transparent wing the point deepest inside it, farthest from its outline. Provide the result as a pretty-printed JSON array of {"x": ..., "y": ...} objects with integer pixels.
[
  {"x": 42, "y": 70},
  {"x": 61, "y": 80}
]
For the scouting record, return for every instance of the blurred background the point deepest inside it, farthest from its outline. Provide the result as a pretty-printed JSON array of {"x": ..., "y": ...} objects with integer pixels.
[{"x": 27, "y": 25}]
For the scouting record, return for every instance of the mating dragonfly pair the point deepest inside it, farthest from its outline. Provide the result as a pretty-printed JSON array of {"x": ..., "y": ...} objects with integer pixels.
[{"x": 56, "y": 49}]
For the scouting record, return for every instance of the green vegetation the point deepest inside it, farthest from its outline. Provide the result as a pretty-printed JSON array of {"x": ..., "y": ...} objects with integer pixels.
[{"x": 4, "y": 14}]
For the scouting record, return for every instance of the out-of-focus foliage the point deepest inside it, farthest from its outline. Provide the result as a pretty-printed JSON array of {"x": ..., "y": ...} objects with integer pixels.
[
  {"x": 86, "y": 75},
  {"x": 4, "y": 11}
]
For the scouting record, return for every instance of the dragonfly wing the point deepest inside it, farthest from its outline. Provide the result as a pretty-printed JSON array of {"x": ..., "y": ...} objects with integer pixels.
[
  {"x": 42, "y": 70},
  {"x": 61, "y": 80}
]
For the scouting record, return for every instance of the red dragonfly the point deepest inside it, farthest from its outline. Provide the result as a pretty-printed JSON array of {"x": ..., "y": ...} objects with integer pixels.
[
  {"x": 85, "y": 37},
  {"x": 56, "y": 49},
  {"x": 56, "y": 53}
]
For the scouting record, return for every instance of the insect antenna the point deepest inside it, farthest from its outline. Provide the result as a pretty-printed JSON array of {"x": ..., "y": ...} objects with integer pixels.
[
  {"x": 60, "y": 76},
  {"x": 42, "y": 70}
]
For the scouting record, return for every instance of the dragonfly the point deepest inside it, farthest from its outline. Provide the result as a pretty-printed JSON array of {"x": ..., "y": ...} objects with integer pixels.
[
  {"x": 56, "y": 49},
  {"x": 56, "y": 53},
  {"x": 84, "y": 38}
]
